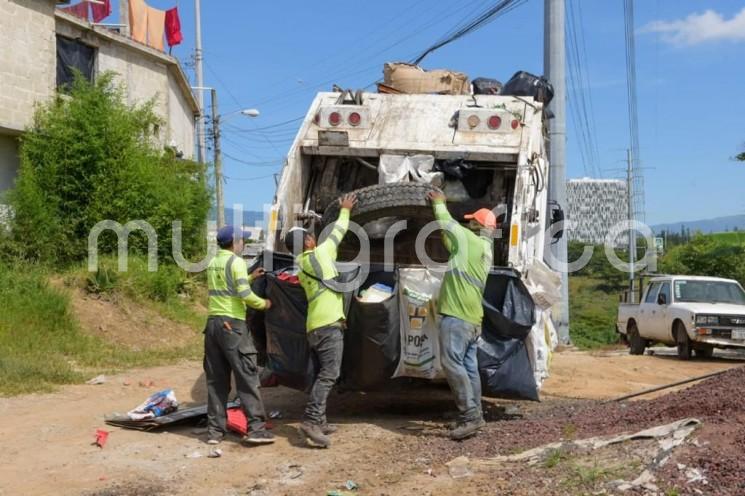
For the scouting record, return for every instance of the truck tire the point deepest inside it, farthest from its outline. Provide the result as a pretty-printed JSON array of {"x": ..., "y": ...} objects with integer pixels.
[
  {"x": 637, "y": 345},
  {"x": 683, "y": 342},
  {"x": 386, "y": 200}
]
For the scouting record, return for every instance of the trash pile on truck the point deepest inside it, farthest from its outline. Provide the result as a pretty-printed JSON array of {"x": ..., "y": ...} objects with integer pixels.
[{"x": 482, "y": 143}]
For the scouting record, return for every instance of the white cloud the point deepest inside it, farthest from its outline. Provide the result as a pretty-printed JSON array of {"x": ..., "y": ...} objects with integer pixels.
[{"x": 700, "y": 28}]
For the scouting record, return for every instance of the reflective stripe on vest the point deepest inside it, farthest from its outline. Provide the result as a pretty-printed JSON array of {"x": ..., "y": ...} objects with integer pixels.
[
  {"x": 467, "y": 277},
  {"x": 231, "y": 284},
  {"x": 316, "y": 266}
]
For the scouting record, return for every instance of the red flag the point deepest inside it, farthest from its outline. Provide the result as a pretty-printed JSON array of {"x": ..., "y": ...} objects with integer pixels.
[
  {"x": 79, "y": 10},
  {"x": 173, "y": 27},
  {"x": 101, "y": 10}
]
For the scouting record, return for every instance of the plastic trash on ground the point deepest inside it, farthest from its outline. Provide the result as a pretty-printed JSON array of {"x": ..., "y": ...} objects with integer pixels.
[{"x": 158, "y": 404}]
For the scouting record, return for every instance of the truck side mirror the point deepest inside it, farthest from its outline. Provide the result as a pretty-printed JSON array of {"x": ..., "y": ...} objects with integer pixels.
[
  {"x": 662, "y": 299},
  {"x": 556, "y": 215}
]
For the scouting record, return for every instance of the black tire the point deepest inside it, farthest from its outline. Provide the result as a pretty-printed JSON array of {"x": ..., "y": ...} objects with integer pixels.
[
  {"x": 637, "y": 345},
  {"x": 705, "y": 352},
  {"x": 683, "y": 342},
  {"x": 386, "y": 200}
]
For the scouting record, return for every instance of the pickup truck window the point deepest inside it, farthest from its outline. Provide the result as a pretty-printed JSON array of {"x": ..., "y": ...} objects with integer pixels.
[
  {"x": 652, "y": 292},
  {"x": 665, "y": 290},
  {"x": 708, "y": 292}
]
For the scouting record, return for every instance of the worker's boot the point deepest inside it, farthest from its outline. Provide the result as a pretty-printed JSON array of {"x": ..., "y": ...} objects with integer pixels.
[
  {"x": 467, "y": 429},
  {"x": 329, "y": 429},
  {"x": 314, "y": 435},
  {"x": 261, "y": 436}
]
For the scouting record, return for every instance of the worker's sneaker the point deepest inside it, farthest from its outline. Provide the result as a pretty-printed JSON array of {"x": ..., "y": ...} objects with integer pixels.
[
  {"x": 258, "y": 437},
  {"x": 214, "y": 439},
  {"x": 467, "y": 429},
  {"x": 314, "y": 435},
  {"x": 329, "y": 429}
]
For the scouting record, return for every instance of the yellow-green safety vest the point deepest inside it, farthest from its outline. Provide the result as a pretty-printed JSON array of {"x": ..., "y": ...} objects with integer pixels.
[
  {"x": 325, "y": 306},
  {"x": 230, "y": 287}
]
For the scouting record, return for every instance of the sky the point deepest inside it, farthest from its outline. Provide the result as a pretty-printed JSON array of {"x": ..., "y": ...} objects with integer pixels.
[{"x": 274, "y": 56}]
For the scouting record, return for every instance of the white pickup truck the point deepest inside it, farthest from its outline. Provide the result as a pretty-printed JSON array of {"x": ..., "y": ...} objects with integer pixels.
[{"x": 696, "y": 314}]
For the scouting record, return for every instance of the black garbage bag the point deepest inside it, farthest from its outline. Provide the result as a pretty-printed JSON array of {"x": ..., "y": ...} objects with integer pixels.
[
  {"x": 486, "y": 86},
  {"x": 509, "y": 314},
  {"x": 509, "y": 310},
  {"x": 287, "y": 351},
  {"x": 453, "y": 169},
  {"x": 255, "y": 321},
  {"x": 372, "y": 341},
  {"x": 527, "y": 84},
  {"x": 505, "y": 369}
]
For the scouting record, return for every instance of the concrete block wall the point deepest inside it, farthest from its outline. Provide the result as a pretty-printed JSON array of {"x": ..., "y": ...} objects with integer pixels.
[{"x": 28, "y": 59}]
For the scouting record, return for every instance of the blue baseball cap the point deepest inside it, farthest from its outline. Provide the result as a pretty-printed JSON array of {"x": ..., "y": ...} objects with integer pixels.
[{"x": 226, "y": 235}]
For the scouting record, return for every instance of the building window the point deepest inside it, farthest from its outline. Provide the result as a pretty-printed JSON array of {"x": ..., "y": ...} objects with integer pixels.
[{"x": 72, "y": 55}]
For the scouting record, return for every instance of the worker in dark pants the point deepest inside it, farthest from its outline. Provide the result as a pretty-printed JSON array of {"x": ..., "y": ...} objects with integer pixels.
[
  {"x": 325, "y": 321},
  {"x": 459, "y": 306},
  {"x": 228, "y": 347}
]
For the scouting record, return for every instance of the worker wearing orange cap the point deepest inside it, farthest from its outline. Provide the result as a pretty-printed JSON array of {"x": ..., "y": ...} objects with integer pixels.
[{"x": 459, "y": 305}]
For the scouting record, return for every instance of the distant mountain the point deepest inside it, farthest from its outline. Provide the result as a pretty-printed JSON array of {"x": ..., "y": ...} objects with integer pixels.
[
  {"x": 718, "y": 224},
  {"x": 251, "y": 218}
]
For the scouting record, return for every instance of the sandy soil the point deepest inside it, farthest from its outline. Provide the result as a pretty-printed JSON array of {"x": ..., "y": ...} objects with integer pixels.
[{"x": 47, "y": 439}]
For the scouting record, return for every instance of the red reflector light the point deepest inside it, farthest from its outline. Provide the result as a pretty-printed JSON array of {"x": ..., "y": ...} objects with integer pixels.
[
  {"x": 334, "y": 118},
  {"x": 355, "y": 119},
  {"x": 515, "y": 123},
  {"x": 494, "y": 122}
]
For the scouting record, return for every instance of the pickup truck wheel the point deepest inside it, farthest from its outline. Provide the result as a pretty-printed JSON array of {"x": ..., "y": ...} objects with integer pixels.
[
  {"x": 636, "y": 343},
  {"x": 683, "y": 342}
]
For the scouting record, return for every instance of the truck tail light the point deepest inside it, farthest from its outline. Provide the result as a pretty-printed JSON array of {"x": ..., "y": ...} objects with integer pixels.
[
  {"x": 354, "y": 119},
  {"x": 473, "y": 121},
  {"x": 494, "y": 122},
  {"x": 334, "y": 118},
  {"x": 515, "y": 123}
]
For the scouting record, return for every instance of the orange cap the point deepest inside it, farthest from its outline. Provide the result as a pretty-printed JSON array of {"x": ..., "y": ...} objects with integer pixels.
[{"x": 483, "y": 216}]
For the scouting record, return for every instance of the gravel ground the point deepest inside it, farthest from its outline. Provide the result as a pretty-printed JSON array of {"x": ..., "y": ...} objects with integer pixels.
[{"x": 717, "y": 451}]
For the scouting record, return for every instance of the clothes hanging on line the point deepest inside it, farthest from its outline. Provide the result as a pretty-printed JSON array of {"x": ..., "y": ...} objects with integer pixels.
[
  {"x": 138, "y": 20},
  {"x": 173, "y": 27},
  {"x": 156, "y": 21},
  {"x": 100, "y": 11},
  {"x": 80, "y": 10}
]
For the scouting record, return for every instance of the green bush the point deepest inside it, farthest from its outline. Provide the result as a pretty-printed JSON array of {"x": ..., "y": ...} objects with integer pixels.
[
  {"x": 91, "y": 157},
  {"x": 706, "y": 256}
]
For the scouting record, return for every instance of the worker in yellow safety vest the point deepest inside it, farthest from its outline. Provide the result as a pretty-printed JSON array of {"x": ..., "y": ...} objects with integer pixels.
[
  {"x": 460, "y": 308},
  {"x": 228, "y": 346},
  {"x": 326, "y": 319}
]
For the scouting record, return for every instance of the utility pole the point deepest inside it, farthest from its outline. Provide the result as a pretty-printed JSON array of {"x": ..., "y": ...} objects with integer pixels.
[
  {"x": 201, "y": 136},
  {"x": 554, "y": 62},
  {"x": 124, "y": 16},
  {"x": 632, "y": 232},
  {"x": 218, "y": 161}
]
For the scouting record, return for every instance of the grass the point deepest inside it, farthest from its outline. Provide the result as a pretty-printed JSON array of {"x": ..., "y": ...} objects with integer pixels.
[
  {"x": 589, "y": 476},
  {"x": 730, "y": 238},
  {"x": 592, "y": 311},
  {"x": 42, "y": 345}
]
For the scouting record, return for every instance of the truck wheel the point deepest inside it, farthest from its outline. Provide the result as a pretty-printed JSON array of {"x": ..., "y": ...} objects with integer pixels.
[
  {"x": 636, "y": 343},
  {"x": 706, "y": 352},
  {"x": 386, "y": 200},
  {"x": 683, "y": 342}
]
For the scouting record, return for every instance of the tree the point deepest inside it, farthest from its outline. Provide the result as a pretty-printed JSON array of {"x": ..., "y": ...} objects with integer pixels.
[{"x": 93, "y": 157}]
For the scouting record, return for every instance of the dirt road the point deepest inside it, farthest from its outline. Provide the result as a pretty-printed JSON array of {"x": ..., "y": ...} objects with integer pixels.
[{"x": 47, "y": 439}]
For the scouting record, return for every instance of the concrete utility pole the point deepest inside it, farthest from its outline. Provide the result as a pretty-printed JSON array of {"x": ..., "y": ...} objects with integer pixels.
[
  {"x": 201, "y": 136},
  {"x": 632, "y": 232},
  {"x": 124, "y": 16},
  {"x": 554, "y": 62},
  {"x": 218, "y": 161}
]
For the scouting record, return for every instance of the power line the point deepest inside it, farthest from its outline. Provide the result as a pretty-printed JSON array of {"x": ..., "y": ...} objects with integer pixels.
[
  {"x": 233, "y": 178},
  {"x": 267, "y": 163},
  {"x": 628, "y": 10}
]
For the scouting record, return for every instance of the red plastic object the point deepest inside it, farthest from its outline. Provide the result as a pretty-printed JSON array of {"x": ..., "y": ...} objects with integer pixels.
[
  {"x": 101, "y": 437},
  {"x": 290, "y": 278},
  {"x": 238, "y": 423}
]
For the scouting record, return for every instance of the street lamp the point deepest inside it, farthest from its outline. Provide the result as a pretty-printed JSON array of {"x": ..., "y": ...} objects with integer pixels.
[{"x": 216, "y": 119}]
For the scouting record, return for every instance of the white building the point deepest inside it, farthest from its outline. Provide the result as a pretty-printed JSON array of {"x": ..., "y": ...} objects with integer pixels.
[
  {"x": 595, "y": 206},
  {"x": 32, "y": 33}
]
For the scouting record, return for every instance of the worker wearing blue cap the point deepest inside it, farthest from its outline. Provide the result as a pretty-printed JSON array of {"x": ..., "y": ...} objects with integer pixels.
[{"x": 228, "y": 347}]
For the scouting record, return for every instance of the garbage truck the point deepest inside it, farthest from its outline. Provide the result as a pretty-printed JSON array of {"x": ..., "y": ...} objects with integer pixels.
[{"x": 390, "y": 148}]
